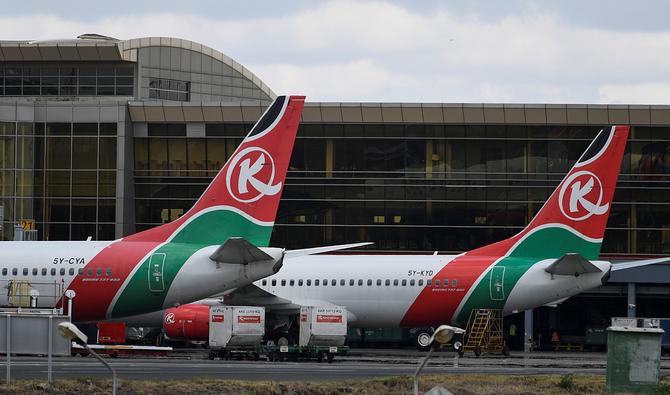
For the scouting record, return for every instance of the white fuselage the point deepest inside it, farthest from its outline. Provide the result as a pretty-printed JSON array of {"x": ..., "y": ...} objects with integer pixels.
[
  {"x": 378, "y": 290},
  {"x": 46, "y": 268}
]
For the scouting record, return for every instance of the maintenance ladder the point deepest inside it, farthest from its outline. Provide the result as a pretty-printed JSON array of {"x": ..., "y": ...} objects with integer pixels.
[{"x": 484, "y": 332}]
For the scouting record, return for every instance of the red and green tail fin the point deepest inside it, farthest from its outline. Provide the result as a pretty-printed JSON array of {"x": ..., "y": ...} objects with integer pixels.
[
  {"x": 574, "y": 217},
  {"x": 243, "y": 198},
  {"x": 572, "y": 220}
]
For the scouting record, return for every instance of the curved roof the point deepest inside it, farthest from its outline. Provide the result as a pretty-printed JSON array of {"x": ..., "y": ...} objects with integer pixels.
[
  {"x": 95, "y": 47},
  {"x": 129, "y": 53}
]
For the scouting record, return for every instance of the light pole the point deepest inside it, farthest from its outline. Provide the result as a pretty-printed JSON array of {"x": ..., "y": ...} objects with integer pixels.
[
  {"x": 70, "y": 331},
  {"x": 442, "y": 335}
]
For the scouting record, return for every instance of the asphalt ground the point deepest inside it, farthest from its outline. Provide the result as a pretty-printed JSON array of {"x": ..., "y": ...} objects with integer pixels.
[{"x": 358, "y": 365}]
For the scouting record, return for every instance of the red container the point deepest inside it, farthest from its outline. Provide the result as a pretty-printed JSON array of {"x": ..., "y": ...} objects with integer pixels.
[{"x": 111, "y": 332}]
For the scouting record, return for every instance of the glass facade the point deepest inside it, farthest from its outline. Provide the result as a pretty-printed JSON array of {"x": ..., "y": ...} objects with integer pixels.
[
  {"x": 165, "y": 89},
  {"x": 58, "y": 79},
  {"x": 62, "y": 176},
  {"x": 418, "y": 187}
]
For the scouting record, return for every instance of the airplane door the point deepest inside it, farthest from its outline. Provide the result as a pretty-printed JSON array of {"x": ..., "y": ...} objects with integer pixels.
[
  {"x": 497, "y": 286},
  {"x": 156, "y": 267}
]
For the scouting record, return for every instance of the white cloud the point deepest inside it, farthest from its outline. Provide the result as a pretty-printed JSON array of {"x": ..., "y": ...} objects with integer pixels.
[{"x": 377, "y": 51}]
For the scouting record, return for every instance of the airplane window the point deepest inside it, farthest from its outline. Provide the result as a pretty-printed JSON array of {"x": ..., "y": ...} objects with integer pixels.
[
  {"x": 437, "y": 282},
  {"x": 71, "y": 271},
  {"x": 325, "y": 282},
  {"x": 98, "y": 271},
  {"x": 291, "y": 282},
  {"x": 420, "y": 283},
  {"x": 379, "y": 282},
  {"x": 395, "y": 283},
  {"x": 308, "y": 282},
  {"x": 342, "y": 282},
  {"x": 412, "y": 282},
  {"x": 53, "y": 271},
  {"x": 4, "y": 271},
  {"x": 264, "y": 282},
  {"x": 44, "y": 271},
  {"x": 274, "y": 282},
  {"x": 34, "y": 271},
  {"x": 446, "y": 282},
  {"x": 108, "y": 271},
  {"x": 15, "y": 271},
  {"x": 429, "y": 282},
  {"x": 404, "y": 283},
  {"x": 351, "y": 282},
  {"x": 300, "y": 283},
  {"x": 316, "y": 282},
  {"x": 369, "y": 282},
  {"x": 387, "y": 282},
  {"x": 360, "y": 283},
  {"x": 80, "y": 271},
  {"x": 90, "y": 271},
  {"x": 25, "y": 271},
  {"x": 333, "y": 282},
  {"x": 453, "y": 282},
  {"x": 283, "y": 283},
  {"x": 62, "y": 271}
]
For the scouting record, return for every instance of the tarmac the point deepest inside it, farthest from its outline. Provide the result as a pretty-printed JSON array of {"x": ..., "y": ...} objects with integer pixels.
[{"x": 361, "y": 363}]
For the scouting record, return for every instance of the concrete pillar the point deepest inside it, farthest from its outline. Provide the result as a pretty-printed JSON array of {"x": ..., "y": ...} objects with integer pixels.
[
  {"x": 528, "y": 330},
  {"x": 631, "y": 309}
]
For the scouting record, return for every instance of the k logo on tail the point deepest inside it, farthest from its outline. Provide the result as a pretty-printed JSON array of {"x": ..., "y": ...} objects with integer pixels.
[
  {"x": 253, "y": 167},
  {"x": 584, "y": 196}
]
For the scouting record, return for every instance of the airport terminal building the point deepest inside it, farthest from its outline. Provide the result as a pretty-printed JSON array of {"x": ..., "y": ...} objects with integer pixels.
[{"x": 103, "y": 137}]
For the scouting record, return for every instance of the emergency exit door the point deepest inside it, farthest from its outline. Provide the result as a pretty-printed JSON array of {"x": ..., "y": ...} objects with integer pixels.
[
  {"x": 156, "y": 268},
  {"x": 498, "y": 283}
]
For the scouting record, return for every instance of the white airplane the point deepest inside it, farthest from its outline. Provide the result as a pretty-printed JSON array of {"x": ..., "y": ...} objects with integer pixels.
[
  {"x": 553, "y": 258},
  {"x": 212, "y": 248}
]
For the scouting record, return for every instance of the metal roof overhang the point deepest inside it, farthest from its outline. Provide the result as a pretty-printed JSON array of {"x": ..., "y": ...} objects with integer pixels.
[{"x": 59, "y": 51}]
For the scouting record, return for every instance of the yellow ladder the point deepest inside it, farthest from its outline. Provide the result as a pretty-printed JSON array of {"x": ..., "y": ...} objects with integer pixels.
[
  {"x": 484, "y": 332},
  {"x": 20, "y": 292}
]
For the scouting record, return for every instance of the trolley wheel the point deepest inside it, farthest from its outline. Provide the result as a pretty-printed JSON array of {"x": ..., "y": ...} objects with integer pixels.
[
  {"x": 478, "y": 351},
  {"x": 330, "y": 357},
  {"x": 423, "y": 340},
  {"x": 319, "y": 357},
  {"x": 505, "y": 350}
]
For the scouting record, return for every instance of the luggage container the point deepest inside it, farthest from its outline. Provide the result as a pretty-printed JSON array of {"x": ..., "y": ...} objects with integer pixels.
[
  {"x": 111, "y": 333},
  {"x": 236, "y": 326},
  {"x": 322, "y": 326}
]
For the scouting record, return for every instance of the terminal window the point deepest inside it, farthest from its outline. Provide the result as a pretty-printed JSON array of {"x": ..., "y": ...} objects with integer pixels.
[
  {"x": 166, "y": 89},
  {"x": 66, "y": 80}
]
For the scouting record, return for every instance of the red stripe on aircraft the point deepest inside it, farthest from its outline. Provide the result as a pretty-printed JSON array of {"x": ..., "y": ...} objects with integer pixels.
[
  {"x": 94, "y": 293},
  {"x": 439, "y": 304}
]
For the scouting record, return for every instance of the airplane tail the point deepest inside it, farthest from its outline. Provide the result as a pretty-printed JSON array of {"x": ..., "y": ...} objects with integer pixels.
[
  {"x": 243, "y": 198},
  {"x": 574, "y": 217}
]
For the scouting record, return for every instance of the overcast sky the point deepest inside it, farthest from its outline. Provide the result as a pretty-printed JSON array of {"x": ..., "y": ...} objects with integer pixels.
[{"x": 566, "y": 51}]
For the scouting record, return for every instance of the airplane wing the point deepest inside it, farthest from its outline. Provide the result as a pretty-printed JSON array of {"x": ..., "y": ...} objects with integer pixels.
[
  {"x": 319, "y": 250},
  {"x": 251, "y": 295},
  {"x": 639, "y": 263},
  {"x": 238, "y": 250}
]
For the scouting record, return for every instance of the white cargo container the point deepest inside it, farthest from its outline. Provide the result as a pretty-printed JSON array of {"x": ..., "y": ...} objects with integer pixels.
[
  {"x": 323, "y": 326},
  {"x": 236, "y": 326}
]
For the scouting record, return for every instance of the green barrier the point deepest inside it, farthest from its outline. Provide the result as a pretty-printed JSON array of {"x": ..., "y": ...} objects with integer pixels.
[{"x": 633, "y": 358}]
